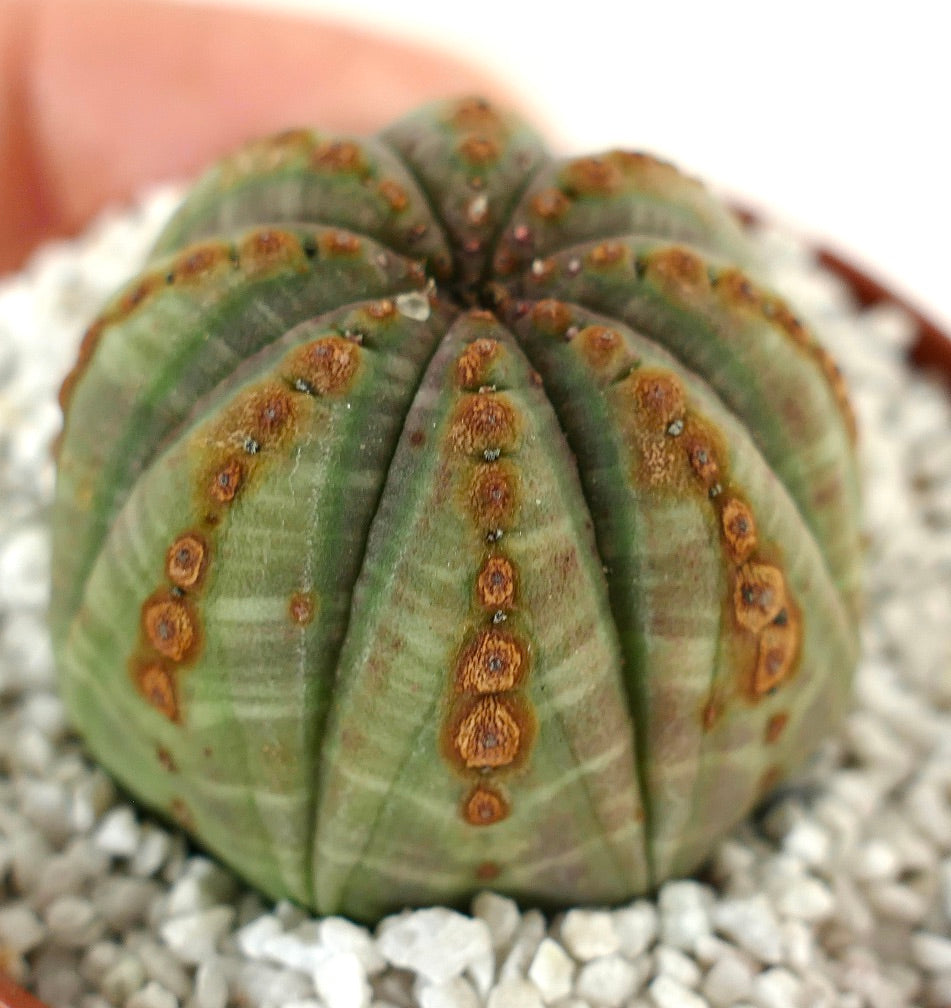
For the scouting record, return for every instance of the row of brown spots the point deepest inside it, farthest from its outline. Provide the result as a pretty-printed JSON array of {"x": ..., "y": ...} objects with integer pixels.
[{"x": 490, "y": 727}]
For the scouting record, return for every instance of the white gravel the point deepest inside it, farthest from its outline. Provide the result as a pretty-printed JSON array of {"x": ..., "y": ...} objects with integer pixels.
[{"x": 836, "y": 896}]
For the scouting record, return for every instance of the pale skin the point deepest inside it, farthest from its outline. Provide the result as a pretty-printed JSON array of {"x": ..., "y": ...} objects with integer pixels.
[{"x": 100, "y": 98}]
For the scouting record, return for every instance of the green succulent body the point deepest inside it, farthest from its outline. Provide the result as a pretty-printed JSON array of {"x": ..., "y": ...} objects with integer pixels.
[{"x": 433, "y": 514}]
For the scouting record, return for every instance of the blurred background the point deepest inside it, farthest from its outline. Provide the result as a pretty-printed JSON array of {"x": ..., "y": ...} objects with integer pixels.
[{"x": 831, "y": 116}]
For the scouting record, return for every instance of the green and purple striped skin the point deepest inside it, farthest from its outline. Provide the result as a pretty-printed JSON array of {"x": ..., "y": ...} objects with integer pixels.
[{"x": 432, "y": 514}]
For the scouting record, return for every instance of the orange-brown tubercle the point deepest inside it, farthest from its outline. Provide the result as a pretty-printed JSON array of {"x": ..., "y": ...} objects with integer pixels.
[
  {"x": 483, "y": 422},
  {"x": 302, "y": 607},
  {"x": 326, "y": 366},
  {"x": 489, "y": 733},
  {"x": 156, "y": 684},
  {"x": 493, "y": 495},
  {"x": 775, "y": 727},
  {"x": 170, "y": 626},
  {"x": 485, "y": 806},
  {"x": 495, "y": 583},
  {"x": 185, "y": 560},
  {"x": 472, "y": 367},
  {"x": 495, "y": 661}
]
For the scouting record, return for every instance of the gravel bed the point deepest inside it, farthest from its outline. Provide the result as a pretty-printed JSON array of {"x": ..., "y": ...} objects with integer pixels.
[{"x": 836, "y": 894}]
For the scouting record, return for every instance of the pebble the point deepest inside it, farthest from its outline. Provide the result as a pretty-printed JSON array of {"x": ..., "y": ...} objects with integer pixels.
[
  {"x": 684, "y": 913},
  {"x": 456, "y": 993},
  {"x": 672, "y": 962},
  {"x": 752, "y": 924},
  {"x": 152, "y": 995},
  {"x": 552, "y": 971},
  {"x": 527, "y": 938},
  {"x": 437, "y": 943},
  {"x": 665, "y": 992},
  {"x": 211, "y": 985},
  {"x": 608, "y": 980},
  {"x": 636, "y": 928},
  {"x": 341, "y": 981},
  {"x": 500, "y": 914},
  {"x": 118, "y": 834},
  {"x": 337, "y": 934},
  {"x": 195, "y": 936},
  {"x": 514, "y": 992},
  {"x": 729, "y": 979},
  {"x": 932, "y": 952},
  {"x": 20, "y": 929},
  {"x": 777, "y": 988},
  {"x": 73, "y": 922},
  {"x": 588, "y": 934}
]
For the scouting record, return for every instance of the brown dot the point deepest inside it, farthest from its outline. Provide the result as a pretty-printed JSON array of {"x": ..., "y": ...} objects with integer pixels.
[
  {"x": 487, "y": 871},
  {"x": 169, "y": 627},
  {"x": 485, "y": 806},
  {"x": 166, "y": 760},
  {"x": 302, "y": 607},
  {"x": 550, "y": 204},
  {"x": 592, "y": 176},
  {"x": 135, "y": 297},
  {"x": 417, "y": 438},
  {"x": 492, "y": 497},
  {"x": 495, "y": 584},
  {"x": 340, "y": 243},
  {"x": 479, "y": 150},
  {"x": 488, "y": 735},
  {"x": 382, "y": 309},
  {"x": 394, "y": 194},
  {"x": 552, "y": 317},
  {"x": 339, "y": 156},
  {"x": 197, "y": 264},
  {"x": 606, "y": 254},
  {"x": 326, "y": 366},
  {"x": 702, "y": 459},
  {"x": 156, "y": 684},
  {"x": 226, "y": 482},
  {"x": 737, "y": 290},
  {"x": 493, "y": 662},
  {"x": 599, "y": 344},
  {"x": 759, "y": 595},
  {"x": 473, "y": 364},
  {"x": 775, "y": 660},
  {"x": 271, "y": 412},
  {"x": 659, "y": 399},
  {"x": 269, "y": 249},
  {"x": 483, "y": 422},
  {"x": 185, "y": 559},
  {"x": 473, "y": 112},
  {"x": 679, "y": 271},
  {"x": 776, "y": 726},
  {"x": 739, "y": 530}
]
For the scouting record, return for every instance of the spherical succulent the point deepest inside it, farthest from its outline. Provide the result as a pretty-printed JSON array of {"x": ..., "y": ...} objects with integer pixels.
[{"x": 434, "y": 514}]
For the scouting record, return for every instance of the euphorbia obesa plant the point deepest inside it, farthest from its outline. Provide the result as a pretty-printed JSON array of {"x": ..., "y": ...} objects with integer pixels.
[{"x": 434, "y": 514}]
